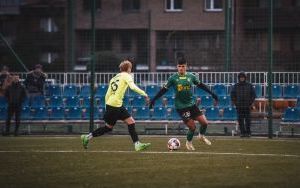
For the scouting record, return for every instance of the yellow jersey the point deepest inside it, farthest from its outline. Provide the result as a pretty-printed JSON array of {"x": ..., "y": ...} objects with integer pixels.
[{"x": 117, "y": 88}]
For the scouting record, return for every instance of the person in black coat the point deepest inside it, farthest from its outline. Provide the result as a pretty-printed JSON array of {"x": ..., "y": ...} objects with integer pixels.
[
  {"x": 4, "y": 79},
  {"x": 243, "y": 96},
  {"x": 15, "y": 94}
]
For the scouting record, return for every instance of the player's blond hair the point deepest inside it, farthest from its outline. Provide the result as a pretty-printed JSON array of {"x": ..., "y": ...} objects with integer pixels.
[{"x": 125, "y": 65}]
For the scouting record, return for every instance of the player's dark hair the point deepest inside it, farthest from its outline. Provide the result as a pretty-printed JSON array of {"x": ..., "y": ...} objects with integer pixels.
[{"x": 181, "y": 61}]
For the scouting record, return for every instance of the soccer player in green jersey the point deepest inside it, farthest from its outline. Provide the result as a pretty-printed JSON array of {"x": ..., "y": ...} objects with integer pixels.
[
  {"x": 182, "y": 83},
  {"x": 115, "y": 110}
]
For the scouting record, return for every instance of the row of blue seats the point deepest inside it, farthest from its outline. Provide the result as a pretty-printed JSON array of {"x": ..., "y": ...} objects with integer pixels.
[
  {"x": 139, "y": 113},
  {"x": 75, "y": 101},
  {"x": 291, "y": 115},
  {"x": 278, "y": 91}
]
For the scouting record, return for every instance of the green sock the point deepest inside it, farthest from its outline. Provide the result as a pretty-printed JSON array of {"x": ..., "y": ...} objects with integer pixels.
[
  {"x": 203, "y": 129},
  {"x": 190, "y": 135}
]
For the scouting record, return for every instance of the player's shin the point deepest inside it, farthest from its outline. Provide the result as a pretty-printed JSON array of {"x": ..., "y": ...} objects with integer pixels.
[
  {"x": 202, "y": 129},
  {"x": 100, "y": 131},
  {"x": 190, "y": 135},
  {"x": 132, "y": 132}
]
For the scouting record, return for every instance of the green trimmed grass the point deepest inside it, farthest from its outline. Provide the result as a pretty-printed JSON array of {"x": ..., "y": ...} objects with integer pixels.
[{"x": 27, "y": 166}]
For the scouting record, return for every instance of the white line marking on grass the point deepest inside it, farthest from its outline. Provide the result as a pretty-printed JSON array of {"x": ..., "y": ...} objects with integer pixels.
[{"x": 157, "y": 152}]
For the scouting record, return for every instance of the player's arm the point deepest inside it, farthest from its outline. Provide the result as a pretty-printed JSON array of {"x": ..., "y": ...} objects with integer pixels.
[
  {"x": 136, "y": 89},
  {"x": 161, "y": 92}
]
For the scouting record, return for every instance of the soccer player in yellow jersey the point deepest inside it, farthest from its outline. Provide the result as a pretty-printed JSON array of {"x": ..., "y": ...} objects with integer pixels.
[{"x": 115, "y": 110}]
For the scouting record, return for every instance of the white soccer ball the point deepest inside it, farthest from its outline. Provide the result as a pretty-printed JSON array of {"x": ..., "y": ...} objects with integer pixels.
[{"x": 173, "y": 144}]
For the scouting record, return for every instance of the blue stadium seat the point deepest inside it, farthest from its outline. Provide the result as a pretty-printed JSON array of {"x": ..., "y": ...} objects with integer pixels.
[
  {"x": 87, "y": 101},
  {"x": 101, "y": 112},
  {"x": 159, "y": 113},
  {"x": 219, "y": 90},
  {"x": 55, "y": 101},
  {"x": 291, "y": 115},
  {"x": 57, "y": 113},
  {"x": 229, "y": 114},
  {"x": 224, "y": 101},
  {"x": 3, "y": 102},
  {"x": 298, "y": 102},
  {"x": 26, "y": 113},
  {"x": 212, "y": 113},
  {"x": 101, "y": 91},
  {"x": 72, "y": 101},
  {"x": 170, "y": 101},
  {"x": 139, "y": 101},
  {"x": 74, "y": 113},
  {"x": 101, "y": 101},
  {"x": 152, "y": 90},
  {"x": 3, "y": 113},
  {"x": 141, "y": 113},
  {"x": 53, "y": 90},
  {"x": 38, "y": 101},
  {"x": 70, "y": 90},
  {"x": 126, "y": 101},
  {"x": 200, "y": 92},
  {"x": 85, "y": 91},
  {"x": 87, "y": 113},
  {"x": 25, "y": 102},
  {"x": 40, "y": 113},
  {"x": 258, "y": 90},
  {"x": 206, "y": 101},
  {"x": 276, "y": 91},
  {"x": 291, "y": 91},
  {"x": 173, "y": 115}
]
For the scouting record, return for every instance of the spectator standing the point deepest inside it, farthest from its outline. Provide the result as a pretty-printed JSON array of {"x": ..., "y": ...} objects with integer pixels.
[
  {"x": 15, "y": 94},
  {"x": 243, "y": 96},
  {"x": 35, "y": 82},
  {"x": 5, "y": 79}
]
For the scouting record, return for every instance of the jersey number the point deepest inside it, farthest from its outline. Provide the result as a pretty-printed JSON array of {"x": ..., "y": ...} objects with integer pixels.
[{"x": 114, "y": 85}]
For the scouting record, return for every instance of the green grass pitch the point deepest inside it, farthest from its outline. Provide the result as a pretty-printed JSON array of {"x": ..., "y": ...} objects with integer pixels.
[{"x": 111, "y": 161}]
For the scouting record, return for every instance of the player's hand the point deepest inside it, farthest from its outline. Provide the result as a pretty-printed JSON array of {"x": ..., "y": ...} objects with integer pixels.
[
  {"x": 214, "y": 96},
  {"x": 152, "y": 102},
  {"x": 147, "y": 99}
]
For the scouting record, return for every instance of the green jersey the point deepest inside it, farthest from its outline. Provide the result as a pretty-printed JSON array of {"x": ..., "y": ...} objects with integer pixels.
[{"x": 182, "y": 85}]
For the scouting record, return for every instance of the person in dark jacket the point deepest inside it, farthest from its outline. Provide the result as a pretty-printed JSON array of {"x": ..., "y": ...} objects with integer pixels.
[
  {"x": 15, "y": 95},
  {"x": 243, "y": 96},
  {"x": 4, "y": 79},
  {"x": 35, "y": 82}
]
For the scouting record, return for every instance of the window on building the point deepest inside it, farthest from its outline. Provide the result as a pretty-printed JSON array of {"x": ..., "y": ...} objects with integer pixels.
[
  {"x": 213, "y": 5},
  {"x": 87, "y": 5},
  {"x": 10, "y": 3},
  {"x": 48, "y": 25},
  {"x": 173, "y": 5},
  {"x": 48, "y": 57},
  {"x": 130, "y": 5},
  {"x": 126, "y": 42},
  {"x": 265, "y": 3}
]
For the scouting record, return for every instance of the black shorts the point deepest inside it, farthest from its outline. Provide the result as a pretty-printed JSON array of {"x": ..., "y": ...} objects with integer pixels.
[
  {"x": 189, "y": 113},
  {"x": 113, "y": 114}
]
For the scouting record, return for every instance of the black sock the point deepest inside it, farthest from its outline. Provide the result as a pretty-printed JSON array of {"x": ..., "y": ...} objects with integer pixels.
[
  {"x": 100, "y": 131},
  {"x": 131, "y": 130}
]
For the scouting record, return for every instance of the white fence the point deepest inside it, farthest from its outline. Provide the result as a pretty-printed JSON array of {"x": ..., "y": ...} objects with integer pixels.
[{"x": 211, "y": 78}]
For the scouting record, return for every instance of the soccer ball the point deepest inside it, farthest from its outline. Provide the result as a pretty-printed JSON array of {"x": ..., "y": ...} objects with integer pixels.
[{"x": 173, "y": 144}]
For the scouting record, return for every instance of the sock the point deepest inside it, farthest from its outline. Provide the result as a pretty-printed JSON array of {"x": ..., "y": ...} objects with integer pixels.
[
  {"x": 100, "y": 131},
  {"x": 203, "y": 129},
  {"x": 131, "y": 130},
  {"x": 90, "y": 136},
  {"x": 190, "y": 135}
]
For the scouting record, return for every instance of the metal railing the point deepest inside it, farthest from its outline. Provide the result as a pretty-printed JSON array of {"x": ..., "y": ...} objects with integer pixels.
[{"x": 211, "y": 78}]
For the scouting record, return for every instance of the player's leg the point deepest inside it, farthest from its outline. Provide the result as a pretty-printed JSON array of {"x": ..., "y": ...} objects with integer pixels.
[
  {"x": 128, "y": 119},
  {"x": 190, "y": 134},
  {"x": 202, "y": 130},
  {"x": 110, "y": 118},
  {"x": 17, "y": 118}
]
